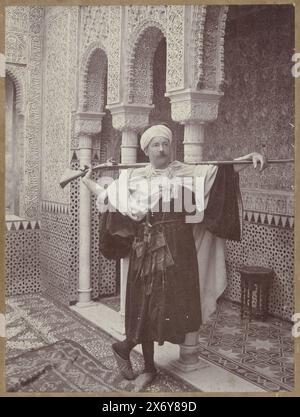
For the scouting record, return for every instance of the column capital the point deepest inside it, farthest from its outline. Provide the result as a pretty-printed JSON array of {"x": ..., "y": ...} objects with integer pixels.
[
  {"x": 194, "y": 106},
  {"x": 130, "y": 116},
  {"x": 87, "y": 123}
]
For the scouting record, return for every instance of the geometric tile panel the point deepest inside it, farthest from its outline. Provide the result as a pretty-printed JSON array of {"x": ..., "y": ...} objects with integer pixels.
[
  {"x": 22, "y": 263},
  {"x": 268, "y": 246},
  {"x": 55, "y": 254},
  {"x": 103, "y": 271}
]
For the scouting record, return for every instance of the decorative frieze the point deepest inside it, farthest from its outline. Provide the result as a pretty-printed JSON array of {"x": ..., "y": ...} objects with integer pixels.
[
  {"x": 273, "y": 208},
  {"x": 16, "y": 225},
  {"x": 266, "y": 201},
  {"x": 195, "y": 21},
  {"x": 73, "y": 58},
  {"x": 220, "y": 54},
  {"x": 32, "y": 142},
  {"x": 175, "y": 48},
  {"x": 114, "y": 56},
  {"x": 268, "y": 219},
  {"x": 52, "y": 207}
]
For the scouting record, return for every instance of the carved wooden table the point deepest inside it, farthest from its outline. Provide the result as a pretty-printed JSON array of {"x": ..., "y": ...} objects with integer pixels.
[{"x": 255, "y": 280}]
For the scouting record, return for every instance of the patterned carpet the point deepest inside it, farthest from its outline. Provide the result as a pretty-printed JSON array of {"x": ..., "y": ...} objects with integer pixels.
[
  {"x": 81, "y": 361},
  {"x": 259, "y": 352}
]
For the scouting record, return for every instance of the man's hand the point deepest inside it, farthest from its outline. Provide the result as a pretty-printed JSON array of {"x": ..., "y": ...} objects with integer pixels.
[
  {"x": 89, "y": 183},
  {"x": 258, "y": 158},
  {"x": 110, "y": 162},
  {"x": 88, "y": 173}
]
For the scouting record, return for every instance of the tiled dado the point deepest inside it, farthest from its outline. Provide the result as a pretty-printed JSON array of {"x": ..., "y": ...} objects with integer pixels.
[
  {"x": 275, "y": 208},
  {"x": 22, "y": 261},
  {"x": 267, "y": 240},
  {"x": 271, "y": 247}
]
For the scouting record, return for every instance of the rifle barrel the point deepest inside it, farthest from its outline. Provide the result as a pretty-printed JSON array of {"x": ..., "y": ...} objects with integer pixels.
[
  {"x": 238, "y": 162},
  {"x": 72, "y": 174}
]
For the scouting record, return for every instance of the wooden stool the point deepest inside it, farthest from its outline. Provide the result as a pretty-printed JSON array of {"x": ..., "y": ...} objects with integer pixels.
[{"x": 255, "y": 278}]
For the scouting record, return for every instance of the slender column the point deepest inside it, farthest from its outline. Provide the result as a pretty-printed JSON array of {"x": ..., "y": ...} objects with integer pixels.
[
  {"x": 84, "y": 290},
  {"x": 87, "y": 125},
  {"x": 129, "y": 146},
  {"x": 128, "y": 156},
  {"x": 123, "y": 279},
  {"x": 128, "y": 118},
  {"x": 193, "y": 141}
]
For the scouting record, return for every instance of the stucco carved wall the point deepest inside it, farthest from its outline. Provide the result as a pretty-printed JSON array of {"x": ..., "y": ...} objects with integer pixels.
[
  {"x": 23, "y": 49},
  {"x": 257, "y": 109},
  {"x": 59, "y": 98}
]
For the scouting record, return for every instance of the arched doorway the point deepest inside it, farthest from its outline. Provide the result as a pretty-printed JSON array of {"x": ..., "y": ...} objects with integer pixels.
[
  {"x": 97, "y": 273},
  {"x": 162, "y": 107},
  {"x": 105, "y": 275}
]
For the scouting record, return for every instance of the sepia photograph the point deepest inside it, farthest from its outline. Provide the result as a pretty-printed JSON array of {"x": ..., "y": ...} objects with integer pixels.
[{"x": 149, "y": 199}]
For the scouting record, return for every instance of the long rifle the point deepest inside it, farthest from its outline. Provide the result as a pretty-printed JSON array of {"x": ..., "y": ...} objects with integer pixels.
[{"x": 71, "y": 174}]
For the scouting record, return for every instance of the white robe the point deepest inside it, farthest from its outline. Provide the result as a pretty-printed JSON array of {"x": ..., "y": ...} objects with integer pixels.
[{"x": 130, "y": 195}]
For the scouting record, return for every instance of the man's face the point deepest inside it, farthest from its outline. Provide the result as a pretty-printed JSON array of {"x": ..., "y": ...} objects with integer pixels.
[{"x": 159, "y": 152}]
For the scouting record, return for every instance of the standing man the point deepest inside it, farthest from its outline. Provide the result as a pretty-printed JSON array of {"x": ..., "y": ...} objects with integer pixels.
[{"x": 176, "y": 217}]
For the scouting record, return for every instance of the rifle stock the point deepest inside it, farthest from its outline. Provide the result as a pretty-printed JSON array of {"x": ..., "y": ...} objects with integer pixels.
[{"x": 71, "y": 174}]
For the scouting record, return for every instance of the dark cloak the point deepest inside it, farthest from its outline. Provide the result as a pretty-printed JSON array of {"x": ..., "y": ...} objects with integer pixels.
[{"x": 162, "y": 293}]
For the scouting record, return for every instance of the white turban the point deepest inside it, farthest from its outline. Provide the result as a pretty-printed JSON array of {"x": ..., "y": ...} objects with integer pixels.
[{"x": 155, "y": 131}]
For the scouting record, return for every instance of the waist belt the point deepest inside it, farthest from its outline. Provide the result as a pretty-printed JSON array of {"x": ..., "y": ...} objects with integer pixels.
[{"x": 160, "y": 222}]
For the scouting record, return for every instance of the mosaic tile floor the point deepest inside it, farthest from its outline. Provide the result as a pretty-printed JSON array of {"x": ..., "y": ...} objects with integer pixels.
[
  {"x": 260, "y": 352},
  {"x": 33, "y": 321}
]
